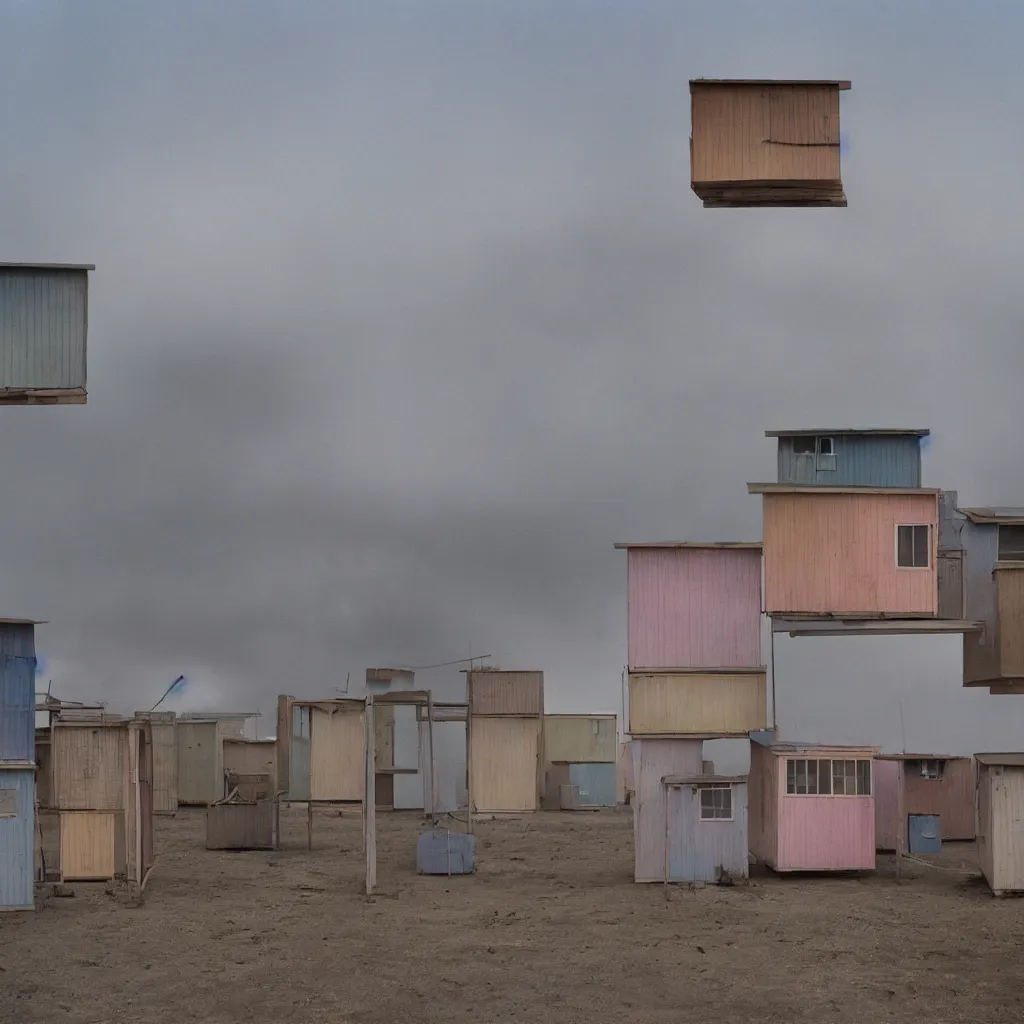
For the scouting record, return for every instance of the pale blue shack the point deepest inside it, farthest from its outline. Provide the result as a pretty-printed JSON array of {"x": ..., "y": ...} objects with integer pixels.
[
  {"x": 706, "y": 828},
  {"x": 845, "y": 457},
  {"x": 17, "y": 763}
]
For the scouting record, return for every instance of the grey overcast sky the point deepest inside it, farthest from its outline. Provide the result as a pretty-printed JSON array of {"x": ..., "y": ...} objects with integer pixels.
[{"x": 404, "y": 313}]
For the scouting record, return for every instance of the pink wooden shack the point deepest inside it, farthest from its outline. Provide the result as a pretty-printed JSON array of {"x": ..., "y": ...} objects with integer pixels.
[
  {"x": 855, "y": 552},
  {"x": 933, "y": 784},
  {"x": 694, "y": 639},
  {"x": 811, "y": 806}
]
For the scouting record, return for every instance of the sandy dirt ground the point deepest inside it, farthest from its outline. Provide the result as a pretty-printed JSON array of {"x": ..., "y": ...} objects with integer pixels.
[{"x": 551, "y": 928}]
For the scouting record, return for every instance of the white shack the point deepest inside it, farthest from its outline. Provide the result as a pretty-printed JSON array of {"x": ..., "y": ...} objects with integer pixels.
[{"x": 1001, "y": 821}]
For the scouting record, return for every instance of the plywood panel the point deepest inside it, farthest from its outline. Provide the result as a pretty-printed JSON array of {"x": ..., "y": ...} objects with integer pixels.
[
  {"x": 506, "y": 693},
  {"x": 505, "y": 764},
  {"x": 89, "y": 767},
  {"x": 198, "y": 763},
  {"x": 252, "y": 757},
  {"x": 87, "y": 845},
  {"x": 696, "y": 703},
  {"x": 337, "y": 754},
  {"x": 580, "y": 738},
  {"x": 165, "y": 767},
  {"x": 836, "y": 554},
  {"x": 1010, "y": 595}
]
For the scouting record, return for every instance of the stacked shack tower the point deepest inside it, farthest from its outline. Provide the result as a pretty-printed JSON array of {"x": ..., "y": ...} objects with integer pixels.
[
  {"x": 695, "y": 673},
  {"x": 43, "y": 321}
]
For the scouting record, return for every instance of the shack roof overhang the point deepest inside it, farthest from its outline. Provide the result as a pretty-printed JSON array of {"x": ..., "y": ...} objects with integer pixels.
[
  {"x": 851, "y": 431},
  {"x": 840, "y": 83},
  {"x": 922, "y": 757},
  {"x": 896, "y": 626},
  {"x": 703, "y": 780},
  {"x": 1001, "y": 760},
  {"x": 23, "y": 622},
  {"x": 995, "y": 516},
  {"x": 817, "y": 749},
  {"x": 47, "y": 266},
  {"x": 770, "y": 488},
  {"x": 734, "y": 545}
]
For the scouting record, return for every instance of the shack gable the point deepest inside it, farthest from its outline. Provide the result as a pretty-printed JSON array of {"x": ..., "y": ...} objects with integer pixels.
[{"x": 765, "y": 143}]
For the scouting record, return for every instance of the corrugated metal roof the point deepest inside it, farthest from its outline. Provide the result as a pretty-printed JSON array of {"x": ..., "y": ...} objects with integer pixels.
[
  {"x": 840, "y": 83},
  {"x": 769, "y": 488},
  {"x": 837, "y": 431},
  {"x": 741, "y": 545},
  {"x": 996, "y": 760},
  {"x": 1008, "y": 515}
]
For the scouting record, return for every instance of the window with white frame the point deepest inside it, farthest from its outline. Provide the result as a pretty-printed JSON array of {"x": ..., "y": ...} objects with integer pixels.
[
  {"x": 716, "y": 803},
  {"x": 819, "y": 776},
  {"x": 913, "y": 546},
  {"x": 931, "y": 768},
  {"x": 826, "y": 446}
]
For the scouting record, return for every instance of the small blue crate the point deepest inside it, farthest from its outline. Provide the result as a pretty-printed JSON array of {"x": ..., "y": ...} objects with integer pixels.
[{"x": 442, "y": 852}]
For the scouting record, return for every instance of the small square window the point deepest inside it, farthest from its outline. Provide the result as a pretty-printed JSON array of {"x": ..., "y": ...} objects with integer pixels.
[
  {"x": 804, "y": 445},
  {"x": 913, "y": 547},
  {"x": 930, "y": 769},
  {"x": 825, "y": 446},
  {"x": 716, "y": 803}
]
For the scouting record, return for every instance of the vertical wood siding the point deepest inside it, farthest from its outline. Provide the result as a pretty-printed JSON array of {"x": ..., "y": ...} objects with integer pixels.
[
  {"x": 88, "y": 845},
  {"x": 17, "y": 838},
  {"x": 337, "y": 766},
  {"x": 17, "y": 708},
  {"x": 506, "y": 693},
  {"x": 165, "y": 765},
  {"x": 763, "y": 804},
  {"x": 872, "y": 461},
  {"x": 652, "y": 761},
  {"x": 731, "y": 123},
  {"x": 986, "y": 822},
  {"x": 714, "y": 703},
  {"x": 980, "y": 650},
  {"x": 252, "y": 757},
  {"x": 836, "y": 554},
  {"x": 694, "y": 607},
  {"x": 580, "y": 738},
  {"x": 699, "y": 851},
  {"x": 89, "y": 767},
  {"x": 952, "y": 797},
  {"x": 1010, "y": 595},
  {"x": 826, "y": 833},
  {"x": 887, "y": 808},
  {"x": 198, "y": 761},
  {"x": 505, "y": 763},
  {"x": 1003, "y": 827}
]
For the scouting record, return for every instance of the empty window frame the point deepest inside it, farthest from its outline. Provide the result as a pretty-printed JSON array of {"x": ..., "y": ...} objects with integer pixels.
[
  {"x": 913, "y": 546},
  {"x": 1011, "y": 544},
  {"x": 827, "y": 777},
  {"x": 806, "y": 444},
  {"x": 716, "y": 803},
  {"x": 932, "y": 768}
]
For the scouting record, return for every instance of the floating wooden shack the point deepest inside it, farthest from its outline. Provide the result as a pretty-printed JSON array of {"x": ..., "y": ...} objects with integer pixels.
[
  {"x": 165, "y": 759},
  {"x": 757, "y": 142},
  {"x": 580, "y": 751}
]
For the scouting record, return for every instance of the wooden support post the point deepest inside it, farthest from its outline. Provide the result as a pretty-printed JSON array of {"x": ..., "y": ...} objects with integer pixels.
[
  {"x": 469, "y": 769},
  {"x": 901, "y": 814},
  {"x": 370, "y": 803},
  {"x": 430, "y": 746},
  {"x": 309, "y": 824}
]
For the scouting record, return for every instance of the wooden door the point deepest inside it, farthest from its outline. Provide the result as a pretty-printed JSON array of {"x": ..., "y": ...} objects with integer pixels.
[{"x": 951, "y": 584}]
